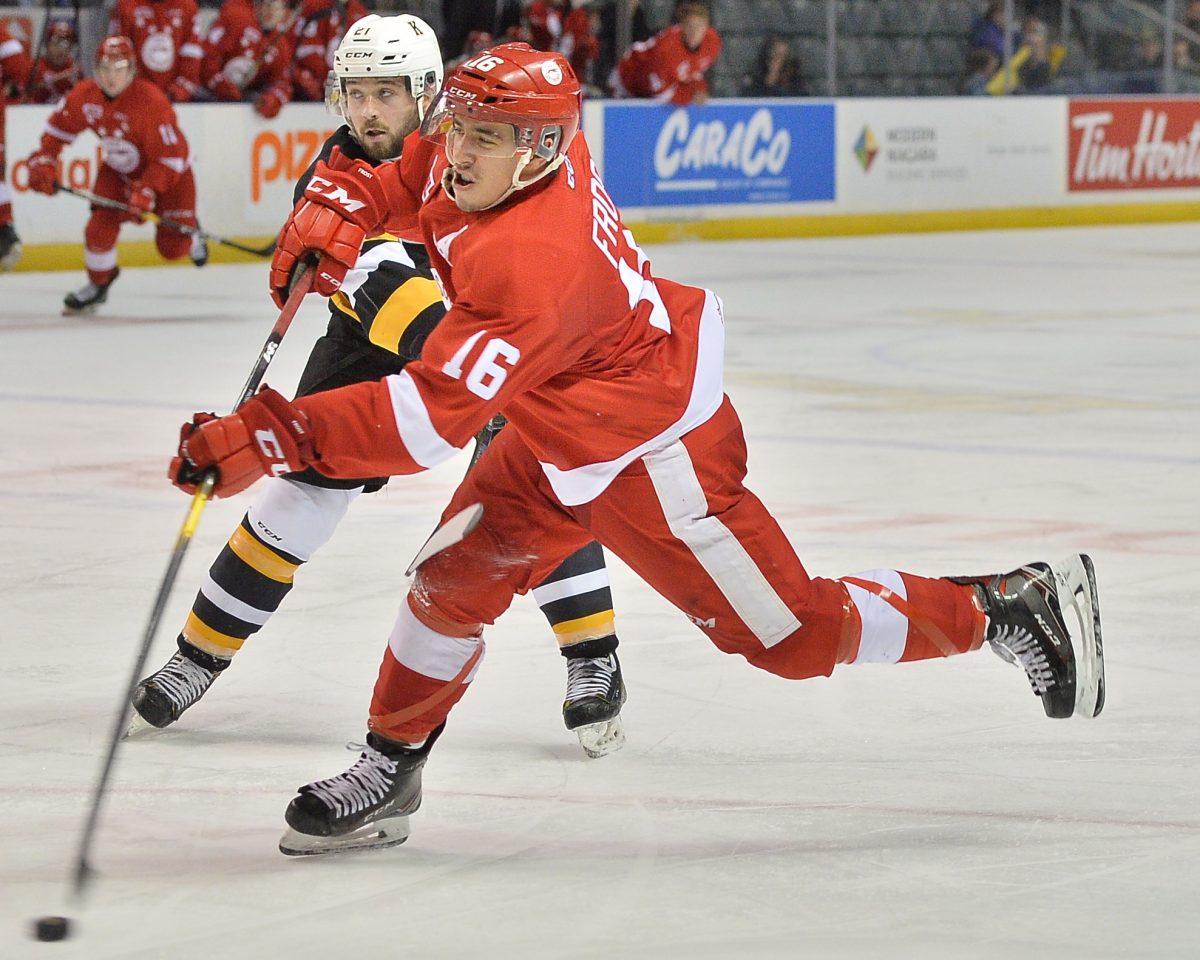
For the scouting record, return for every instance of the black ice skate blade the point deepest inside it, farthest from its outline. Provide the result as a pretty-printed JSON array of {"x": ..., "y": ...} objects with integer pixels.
[{"x": 374, "y": 836}]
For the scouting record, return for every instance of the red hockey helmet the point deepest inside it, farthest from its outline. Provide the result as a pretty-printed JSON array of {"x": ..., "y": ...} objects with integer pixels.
[
  {"x": 535, "y": 92},
  {"x": 115, "y": 50}
]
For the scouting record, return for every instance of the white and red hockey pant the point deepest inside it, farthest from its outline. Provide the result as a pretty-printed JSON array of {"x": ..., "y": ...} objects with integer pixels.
[
  {"x": 100, "y": 235},
  {"x": 683, "y": 520}
]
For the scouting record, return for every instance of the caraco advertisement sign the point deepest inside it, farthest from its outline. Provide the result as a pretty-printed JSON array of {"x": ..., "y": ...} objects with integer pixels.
[
  {"x": 723, "y": 153},
  {"x": 939, "y": 154},
  {"x": 1133, "y": 145}
]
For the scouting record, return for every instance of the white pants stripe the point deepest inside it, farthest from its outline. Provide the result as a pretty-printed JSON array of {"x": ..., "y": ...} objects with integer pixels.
[
  {"x": 717, "y": 550},
  {"x": 428, "y": 652},
  {"x": 571, "y": 587},
  {"x": 884, "y": 628}
]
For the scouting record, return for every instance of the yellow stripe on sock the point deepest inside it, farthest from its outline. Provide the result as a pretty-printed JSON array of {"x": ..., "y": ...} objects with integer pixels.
[
  {"x": 585, "y": 628},
  {"x": 404, "y": 305},
  {"x": 201, "y": 635},
  {"x": 260, "y": 558}
]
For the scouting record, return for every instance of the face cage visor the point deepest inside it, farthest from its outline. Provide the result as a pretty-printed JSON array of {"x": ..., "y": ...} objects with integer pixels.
[
  {"x": 421, "y": 87},
  {"x": 457, "y": 123}
]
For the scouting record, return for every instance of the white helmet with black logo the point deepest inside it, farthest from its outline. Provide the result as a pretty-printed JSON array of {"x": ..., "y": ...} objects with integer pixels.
[{"x": 399, "y": 46}]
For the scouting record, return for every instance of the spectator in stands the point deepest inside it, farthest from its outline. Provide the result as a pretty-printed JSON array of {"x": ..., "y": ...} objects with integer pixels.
[
  {"x": 166, "y": 38},
  {"x": 56, "y": 71},
  {"x": 981, "y": 65},
  {"x": 671, "y": 67},
  {"x": 461, "y": 18},
  {"x": 1034, "y": 64},
  {"x": 248, "y": 55},
  {"x": 606, "y": 33},
  {"x": 580, "y": 44},
  {"x": 987, "y": 33},
  {"x": 776, "y": 72},
  {"x": 320, "y": 26}
]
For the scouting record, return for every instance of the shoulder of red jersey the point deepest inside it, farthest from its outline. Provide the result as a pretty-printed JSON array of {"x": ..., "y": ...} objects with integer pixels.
[{"x": 150, "y": 94}]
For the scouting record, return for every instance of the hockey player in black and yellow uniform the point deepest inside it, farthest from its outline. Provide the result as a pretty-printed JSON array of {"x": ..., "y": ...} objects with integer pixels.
[{"x": 386, "y": 70}]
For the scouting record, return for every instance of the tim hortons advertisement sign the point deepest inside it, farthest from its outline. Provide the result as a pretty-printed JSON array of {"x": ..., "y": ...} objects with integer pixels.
[{"x": 1133, "y": 144}]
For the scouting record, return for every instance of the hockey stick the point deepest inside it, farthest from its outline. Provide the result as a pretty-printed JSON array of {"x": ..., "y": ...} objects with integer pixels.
[
  {"x": 83, "y": 871},
  {"x": 154, "y": 218},
  {"x": 447, "y": 535}
]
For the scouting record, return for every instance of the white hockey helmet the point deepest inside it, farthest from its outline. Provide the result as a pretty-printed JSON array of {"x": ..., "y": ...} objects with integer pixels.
[{"x": 398, "y": 46}]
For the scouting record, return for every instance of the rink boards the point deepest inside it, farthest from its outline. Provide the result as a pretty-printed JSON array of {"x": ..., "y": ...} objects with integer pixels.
[{"x": 735, "y": 168}]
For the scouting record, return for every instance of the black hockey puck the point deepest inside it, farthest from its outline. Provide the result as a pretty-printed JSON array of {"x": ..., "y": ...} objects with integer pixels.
[{"x": 52, "y": 928}]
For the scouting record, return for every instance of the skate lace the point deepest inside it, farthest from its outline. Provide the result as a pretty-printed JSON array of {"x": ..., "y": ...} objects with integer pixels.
[
  {"x": 183, "y": 681},
  {"x": 360, "y": 787},
  {"x": 1019, "y": 645},
  {"x": 590, "y": 677}
]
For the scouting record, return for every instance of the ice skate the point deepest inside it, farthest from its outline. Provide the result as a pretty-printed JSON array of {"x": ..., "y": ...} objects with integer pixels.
[
  {"x": 592, "y": 706},
  {"x": 198, "y": 253},
  {"x": 87, "y": 298},
  {"x": 159, "y": 700},
  {"x": 365, "y": 808},
  {"x": 10, "y": 247},
  {"x": 1046, "y": 618}
]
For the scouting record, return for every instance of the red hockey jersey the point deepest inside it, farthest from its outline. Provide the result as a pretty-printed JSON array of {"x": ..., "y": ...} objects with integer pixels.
[
  {"x": 556, "y": 320},
  {"x": 14, "y": 68},
  {"x": 52, "y": 83},
  {"x": 166, "y": 36},
  {"x": 320, "y": 26},
  {"x": 140, "y": 137},
  {"x": 663, "y": 68},
  {"x": 238, "y": 50}
]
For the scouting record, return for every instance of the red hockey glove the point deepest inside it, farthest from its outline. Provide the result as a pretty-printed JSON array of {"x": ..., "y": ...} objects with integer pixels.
[
  {"x": 223, "y": 88},
  {"x": 180, "y": 90},
  {"x": 141, "y": 201},
  {"x": 315, "y": 229},
  {"x": 43, "y": 172},
  {"x": 267, "y": 436},
  {"x": 268, "y": 104},
  {"x": 351, "y": 187}
]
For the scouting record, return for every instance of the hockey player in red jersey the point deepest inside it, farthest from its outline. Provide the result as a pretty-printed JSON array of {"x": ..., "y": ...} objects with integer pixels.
[
  {"x": 388, "y": 70},
  {"x": 166, "y": 36},
  {"x": 671, "y": 66},
  {"x": 146, "y": 165},
  {"x": 248, "y": 54},
  {"x": 57, "y": 71},
  {"x": 611, "y": 379},
  {"x": 320, "y": 26},
  {"x": 14, "y": 71}
]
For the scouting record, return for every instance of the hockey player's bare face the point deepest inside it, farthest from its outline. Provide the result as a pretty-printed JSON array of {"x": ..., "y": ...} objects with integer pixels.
[
  {"x": 113, "y": 77},
  {"x": 483, "y": 158},
  {"x": 381, "y": 112}
]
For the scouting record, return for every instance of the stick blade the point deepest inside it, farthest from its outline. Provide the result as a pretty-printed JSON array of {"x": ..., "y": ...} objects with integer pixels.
[{"x": 447, "y": 535}]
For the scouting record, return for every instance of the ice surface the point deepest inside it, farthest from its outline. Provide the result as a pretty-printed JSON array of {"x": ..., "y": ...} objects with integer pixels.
[{"x": 943, "y": 404}]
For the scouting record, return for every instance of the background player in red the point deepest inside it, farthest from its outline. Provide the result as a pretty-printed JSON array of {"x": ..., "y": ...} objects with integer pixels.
[
  {"x": 611, "y": 379},
  {"x": 671, "y": 66},
  {"x": 166, "y": 36},
  {"x": 248, "y": 54},
  {"x": 320, "y": 26},
  {"x": 388, "y": 70},
  {"x": 145, "y": 165},
  {"x": 14, "y": 71},
  {"x": 57, "y": 71}
]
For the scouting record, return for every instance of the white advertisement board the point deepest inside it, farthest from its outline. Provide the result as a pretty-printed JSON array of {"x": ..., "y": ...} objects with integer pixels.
[{"x": 950, "y": 154}]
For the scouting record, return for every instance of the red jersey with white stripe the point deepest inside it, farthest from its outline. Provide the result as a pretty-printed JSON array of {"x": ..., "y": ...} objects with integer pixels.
[
  {"x": 14, "y": 64},
  {"x": 50, "y": 83},
  {"x": 236, "y": 47},
  {"x": 166, "y": 36},
  {"x": 555, "y": 320},
  {"x": 140, "y": 137},
  {"x": 663, "y": 68}
]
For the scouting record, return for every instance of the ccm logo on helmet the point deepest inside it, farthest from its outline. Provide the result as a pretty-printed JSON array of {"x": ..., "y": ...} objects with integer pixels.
[
  {"x": 355, "y": 54},
  {"x": 339, "y": 195}
]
